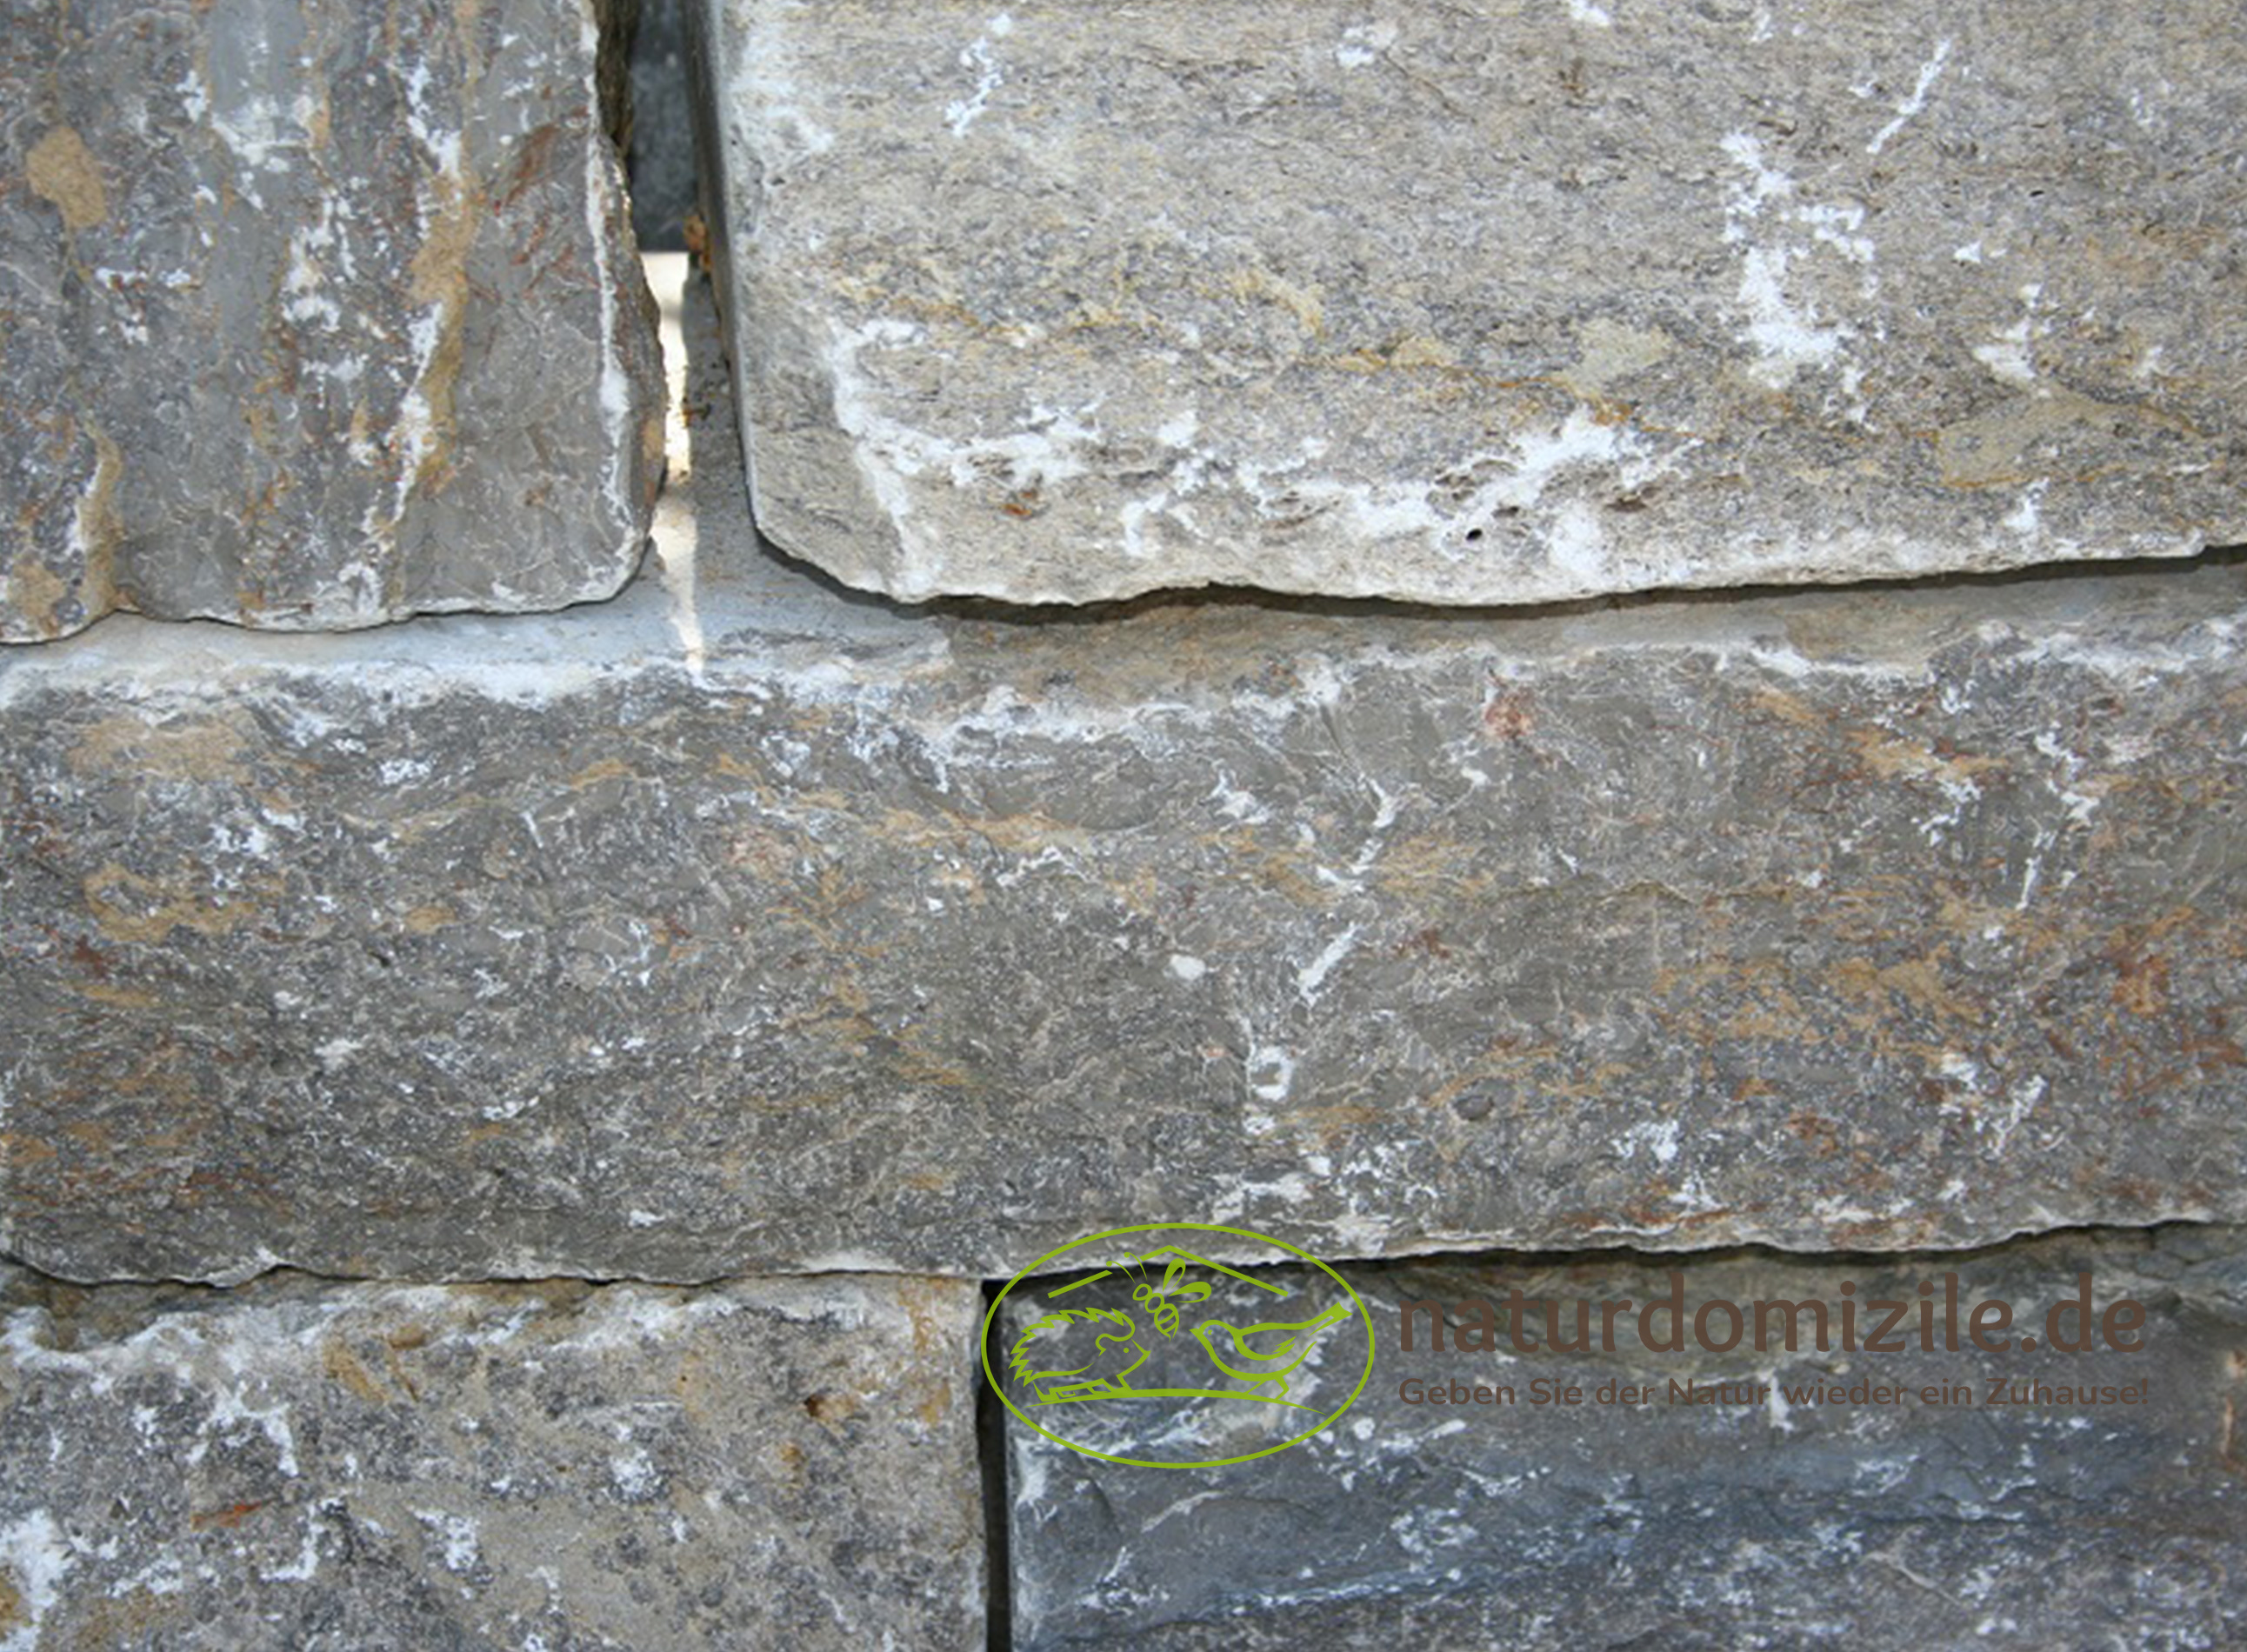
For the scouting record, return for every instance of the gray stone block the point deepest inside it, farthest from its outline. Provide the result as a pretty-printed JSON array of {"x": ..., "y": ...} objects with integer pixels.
[
  {"x": 742, "y": 925},
  {"x": 1476, "y": 304},
  {"x": 315, "y": 316},
  {"x": 1735, "y": 1518},
  {"x": 306, "y": 1466}
]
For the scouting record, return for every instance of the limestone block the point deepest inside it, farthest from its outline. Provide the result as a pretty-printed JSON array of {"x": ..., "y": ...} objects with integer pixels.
[
  {"x": 1726, "y": 1517},
  {"x": 740, "y": 925},
  {"x": 314, "y": 316},
  {"x": 1481, "y": 302},
  {"x": 299, "y": 1465}
]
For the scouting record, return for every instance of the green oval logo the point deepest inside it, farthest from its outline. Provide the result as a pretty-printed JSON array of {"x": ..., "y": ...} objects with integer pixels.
[{"x": 1138, "y": 1341}]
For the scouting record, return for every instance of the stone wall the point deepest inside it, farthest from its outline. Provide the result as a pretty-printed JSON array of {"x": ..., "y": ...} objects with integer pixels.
[
  {"x": 514, "y": 1127},
  {"x": 682, "y": 934}
]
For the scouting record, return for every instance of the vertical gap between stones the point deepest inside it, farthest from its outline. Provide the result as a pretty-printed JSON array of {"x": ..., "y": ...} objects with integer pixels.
[{"x": 991, "y": 1453}]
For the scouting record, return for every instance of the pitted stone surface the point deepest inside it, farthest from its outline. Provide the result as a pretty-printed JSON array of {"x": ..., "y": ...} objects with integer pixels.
[
  {"x": 1478, "y": 303},
  {"x": 742, "y": 925},
  {"x": 1735, "y": 1518},
  {"x": 300, "y": 1465},
  {"x": 314, "y": 316}
]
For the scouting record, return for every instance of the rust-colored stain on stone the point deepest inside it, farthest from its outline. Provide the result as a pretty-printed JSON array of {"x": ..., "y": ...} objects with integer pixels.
[{"x": 62, "y": 170}]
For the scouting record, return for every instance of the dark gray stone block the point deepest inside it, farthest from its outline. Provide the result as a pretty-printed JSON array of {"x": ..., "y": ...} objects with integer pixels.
[
  {"x": 742, "y": 925},
  {"x": 664, "y": 174},
  {"x": 294, "y": 1464},
  {"x": 314, "y": 316},
  {"x": 1734, "y": 1519},
  {"x": 1466, "y": 302}
]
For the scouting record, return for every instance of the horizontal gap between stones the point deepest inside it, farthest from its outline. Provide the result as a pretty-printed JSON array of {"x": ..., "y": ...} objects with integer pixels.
[
  {"x": 38, "y": 1281},
  {"x": 990, "y": 610}
]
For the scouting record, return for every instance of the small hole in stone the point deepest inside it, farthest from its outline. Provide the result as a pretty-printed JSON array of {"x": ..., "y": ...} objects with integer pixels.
[{"x": 1475, "y": 1106}]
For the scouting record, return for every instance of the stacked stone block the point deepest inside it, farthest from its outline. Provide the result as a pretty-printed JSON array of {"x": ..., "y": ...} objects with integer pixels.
[
  {"x": 314, "y": 316},
  {"x": 1476, "y": 303}
]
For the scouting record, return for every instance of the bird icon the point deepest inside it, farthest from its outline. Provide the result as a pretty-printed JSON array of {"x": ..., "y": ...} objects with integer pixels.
[{"x": 1262, "y": 1355}]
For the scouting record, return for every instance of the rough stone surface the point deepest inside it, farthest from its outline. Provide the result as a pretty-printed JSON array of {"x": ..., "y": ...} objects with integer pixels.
[
  {"x": 1745, "y": 1522},
  {"x": 1480, "y": 301},
  {"x": 314, "y": 316},
  {"x": 739, "y": 925},
  {"x": 308, "y": 1467}
]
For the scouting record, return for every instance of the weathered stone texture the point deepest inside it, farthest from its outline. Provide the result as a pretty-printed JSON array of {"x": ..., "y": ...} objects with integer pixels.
[
  {"x": 1747, "y": 1522},
  {"x": 314, "y": 316},
  {"x": 741, "y": 926},
  {"x": 300, "y": 1465},
  {"x": 1478, "y": 302}
]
